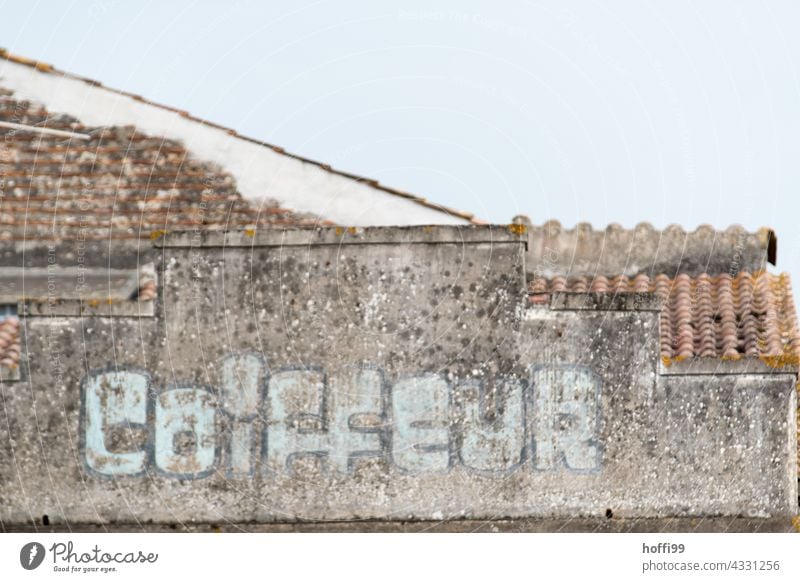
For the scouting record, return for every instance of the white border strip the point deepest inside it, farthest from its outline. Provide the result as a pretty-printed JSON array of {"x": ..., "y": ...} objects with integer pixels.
[{"x": 45, "y": 130}]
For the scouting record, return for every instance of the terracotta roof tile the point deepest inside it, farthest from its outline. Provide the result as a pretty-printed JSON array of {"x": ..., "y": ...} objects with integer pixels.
[
  {"x": 749, "y": 315},
  {"x": 9, "y": 342},
  {"x": 148, "y": 289},
  {"x": 584, "y": 250}
]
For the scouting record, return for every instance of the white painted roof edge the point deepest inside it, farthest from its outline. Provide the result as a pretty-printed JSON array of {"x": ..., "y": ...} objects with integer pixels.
[{"x": 261, "y": 171}]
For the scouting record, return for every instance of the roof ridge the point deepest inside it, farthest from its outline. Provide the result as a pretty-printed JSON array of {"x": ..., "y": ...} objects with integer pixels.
[
  {"x": 50, "y": 69},
  {"x": 554, "y": 226},
  {"x": 585, "y": 249}
]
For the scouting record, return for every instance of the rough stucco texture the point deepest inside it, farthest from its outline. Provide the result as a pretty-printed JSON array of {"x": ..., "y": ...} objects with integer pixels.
[{"x": 366, "y": 380}]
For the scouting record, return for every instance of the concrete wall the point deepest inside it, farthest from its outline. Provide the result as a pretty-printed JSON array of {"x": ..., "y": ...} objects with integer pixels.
[{"x": 387, "y": 374}]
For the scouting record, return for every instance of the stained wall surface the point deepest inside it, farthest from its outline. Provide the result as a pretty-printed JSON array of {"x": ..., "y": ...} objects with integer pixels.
[{"x": 381, "y": 374}]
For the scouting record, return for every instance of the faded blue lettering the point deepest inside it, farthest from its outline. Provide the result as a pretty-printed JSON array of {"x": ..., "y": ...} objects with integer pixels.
[
  {"x": 114, "y": 400},
  {"x": 339, "y": 422},
  {"x": 421, "y": 424},
  {"x": 243, "y": 378},
  {"x": 493, "y": 440},
  {"x": 294, "y": 418},
  {"x": 565, "y": 424},
  {"x": 185, "y": 435}
]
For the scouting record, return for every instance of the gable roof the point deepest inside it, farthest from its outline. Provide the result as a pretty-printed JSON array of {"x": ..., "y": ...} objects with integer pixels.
[
  {"x": 63, "y": 180},
  {"x": 261, "y": 170}
]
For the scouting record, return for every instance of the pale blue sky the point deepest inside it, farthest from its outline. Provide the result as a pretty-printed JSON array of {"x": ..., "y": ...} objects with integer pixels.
[{"x": 620, "y": 111}]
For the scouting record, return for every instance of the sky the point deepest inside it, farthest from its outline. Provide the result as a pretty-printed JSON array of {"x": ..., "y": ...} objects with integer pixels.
[{"x": 618, "y": 111}]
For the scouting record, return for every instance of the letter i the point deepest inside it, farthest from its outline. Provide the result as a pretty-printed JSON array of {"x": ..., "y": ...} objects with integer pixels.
[{"x": 243, "y": 376}]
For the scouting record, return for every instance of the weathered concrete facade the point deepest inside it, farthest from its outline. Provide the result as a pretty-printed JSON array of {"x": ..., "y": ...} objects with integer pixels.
[{"x": 379, "y": 374}]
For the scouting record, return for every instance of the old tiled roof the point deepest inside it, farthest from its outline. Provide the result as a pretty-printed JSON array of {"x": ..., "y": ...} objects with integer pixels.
[
  {"x": 49, "y": 69},
  {"x": 584, "y": 250},
  {"x": 719, "y": 316},
  {"x": 9, "y": 342},
  {"x": 110, "y": 182}
]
